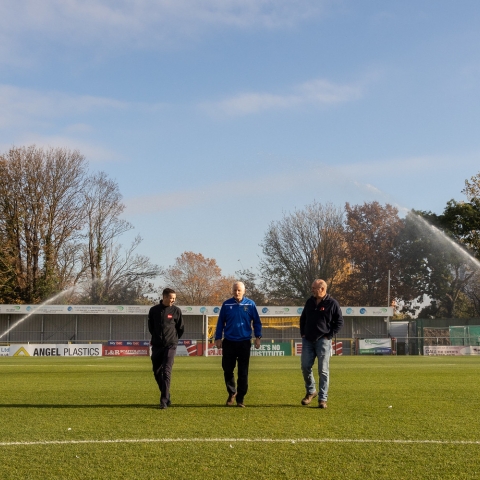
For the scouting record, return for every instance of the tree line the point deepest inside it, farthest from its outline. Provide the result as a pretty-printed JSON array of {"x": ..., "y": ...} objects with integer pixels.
[
  {"x": 431, "y": 260},
  {"x": 61, "y": 228}
]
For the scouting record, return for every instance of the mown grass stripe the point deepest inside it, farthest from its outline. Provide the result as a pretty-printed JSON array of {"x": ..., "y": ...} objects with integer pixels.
[{"x": 242, "y": 440}]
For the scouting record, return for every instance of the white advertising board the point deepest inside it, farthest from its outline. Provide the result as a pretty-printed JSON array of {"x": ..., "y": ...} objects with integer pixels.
[
  {"x": 451, "y": 350},
  {"x": 52, "y": 350},
  {"x": 193, "y": 310},
  {"x": 375, "y": 346}
]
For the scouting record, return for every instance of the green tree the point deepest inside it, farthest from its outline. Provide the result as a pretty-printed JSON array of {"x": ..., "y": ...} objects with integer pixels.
[
  {"x": 460, "y": 221},
  {"x": 436, "y": 267}
]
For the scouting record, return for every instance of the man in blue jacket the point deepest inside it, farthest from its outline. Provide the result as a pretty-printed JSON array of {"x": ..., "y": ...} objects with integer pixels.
[
  {"x": 235, "y": 325},
  {"x": 321, "y": 319}
]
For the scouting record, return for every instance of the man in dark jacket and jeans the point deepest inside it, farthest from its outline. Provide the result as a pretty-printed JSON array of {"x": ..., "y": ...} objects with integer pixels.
[
  {"x": 321, "y": 319},
  {"x": 165, "y": 324}
]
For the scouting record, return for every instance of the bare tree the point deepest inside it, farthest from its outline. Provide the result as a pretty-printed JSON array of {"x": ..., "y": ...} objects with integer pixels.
[
  {"x": 472, "y": 188},
  {"x": 124, "y": 276},
  {"x": 303, "y": 246},
  {"x": 103, "y": 208},
  {"x": 252, "y": 289}
]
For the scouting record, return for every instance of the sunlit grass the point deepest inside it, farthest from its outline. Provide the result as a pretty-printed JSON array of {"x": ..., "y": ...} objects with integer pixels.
[{"x": 382, "y": 412}]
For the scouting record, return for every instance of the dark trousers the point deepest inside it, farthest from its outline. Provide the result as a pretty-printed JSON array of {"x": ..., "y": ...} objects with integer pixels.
[
  {"x": 234, "y": 352},
  {"x": 162, "y": 363}
]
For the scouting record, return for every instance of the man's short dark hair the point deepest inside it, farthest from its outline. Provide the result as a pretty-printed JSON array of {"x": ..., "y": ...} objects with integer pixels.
[{"x": 167, "y": 291}]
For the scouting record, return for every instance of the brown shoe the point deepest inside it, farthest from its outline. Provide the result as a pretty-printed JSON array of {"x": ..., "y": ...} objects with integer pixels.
[
  {"x": 308, "y": 398},
  {"x": 241, "y": 405},
  {"x": 231, "y": 400},
  {"x": 322, "y": 404}
]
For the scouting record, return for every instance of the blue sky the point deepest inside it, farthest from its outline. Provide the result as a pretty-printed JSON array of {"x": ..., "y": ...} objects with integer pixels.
[{"x": 217, "y": 116}]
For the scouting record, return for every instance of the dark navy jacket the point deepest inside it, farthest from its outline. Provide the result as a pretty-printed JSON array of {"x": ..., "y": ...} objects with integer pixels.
[
  {"x": 322, "y": 320},
  {"x": 165, "y": 324}
]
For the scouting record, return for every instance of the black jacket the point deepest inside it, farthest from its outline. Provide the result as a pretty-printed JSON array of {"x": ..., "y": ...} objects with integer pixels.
[
  {"x": 165, "y": 325},
  {"x": 322, "y": 320}
]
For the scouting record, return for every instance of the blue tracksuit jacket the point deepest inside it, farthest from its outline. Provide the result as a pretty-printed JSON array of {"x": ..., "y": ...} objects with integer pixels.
[{"x": 235, "y": 320}]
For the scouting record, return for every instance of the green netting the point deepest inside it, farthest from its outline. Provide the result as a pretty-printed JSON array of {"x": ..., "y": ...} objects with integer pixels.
[
  {"x": 467, "y": 335},
  {"x": 474, "y": 334}
]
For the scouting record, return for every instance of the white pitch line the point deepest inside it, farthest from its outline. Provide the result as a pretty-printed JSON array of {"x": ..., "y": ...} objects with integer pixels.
[{"x": 242, "y": 440}]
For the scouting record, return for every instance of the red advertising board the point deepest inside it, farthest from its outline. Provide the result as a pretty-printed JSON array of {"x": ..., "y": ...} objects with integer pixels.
[{"x": 125, "y": 351}]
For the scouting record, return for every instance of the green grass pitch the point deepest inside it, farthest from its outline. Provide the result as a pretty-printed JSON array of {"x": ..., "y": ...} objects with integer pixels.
[{"x": 89, "y": 418}]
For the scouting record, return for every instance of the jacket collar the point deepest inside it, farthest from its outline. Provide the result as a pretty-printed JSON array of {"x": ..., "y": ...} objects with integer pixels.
[{"x": 326, "y": 297}]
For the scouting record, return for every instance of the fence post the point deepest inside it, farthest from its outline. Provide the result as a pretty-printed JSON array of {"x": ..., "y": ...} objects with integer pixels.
[{"x": 205, "y": 335}]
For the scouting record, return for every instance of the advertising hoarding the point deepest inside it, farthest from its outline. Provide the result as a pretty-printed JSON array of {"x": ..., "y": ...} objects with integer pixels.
[
  {"x": 375, "y": 346},
  {"x": 451, "y": 350},
  {"x": 54, "y": 350}
]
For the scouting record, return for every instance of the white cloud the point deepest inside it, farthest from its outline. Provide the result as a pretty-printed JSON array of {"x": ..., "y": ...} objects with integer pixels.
[
  {"x": 144, "y": 23},
  {"x": 18, "y": 105},
  {"x": 22, "y": 106},
  {"x": 362, "y": 181},
  {"x": 212, "y": 193},
  {"x": 396, "y": 167},
  {"x": 318, "y": 92},
  {"x": 261, "y": 186}
]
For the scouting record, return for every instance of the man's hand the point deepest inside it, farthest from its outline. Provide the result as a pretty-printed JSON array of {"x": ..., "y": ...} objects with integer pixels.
[
  {"x": 218, "y": 343},
  {"x": 257, "y": 343}
]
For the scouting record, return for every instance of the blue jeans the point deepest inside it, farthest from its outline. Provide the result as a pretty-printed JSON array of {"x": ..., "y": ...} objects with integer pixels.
[{"x": 320, "y": 349}]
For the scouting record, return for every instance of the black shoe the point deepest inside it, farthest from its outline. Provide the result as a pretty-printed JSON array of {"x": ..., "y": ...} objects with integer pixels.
[
  {"x": 168, "y": 402},
  {"x": 162, "y": 406}
]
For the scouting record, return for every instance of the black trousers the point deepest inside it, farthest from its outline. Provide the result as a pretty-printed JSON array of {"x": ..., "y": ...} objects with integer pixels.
[
  {"x": 162, "y": 363},
  {"x": 234, "y": 352}
]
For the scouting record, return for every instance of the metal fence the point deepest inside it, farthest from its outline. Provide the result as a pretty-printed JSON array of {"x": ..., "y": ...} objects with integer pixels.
[
  {"x": 44, "y": 328},
  {"x": 49, "y": 328},
  {"x": 410, "y": 338}
]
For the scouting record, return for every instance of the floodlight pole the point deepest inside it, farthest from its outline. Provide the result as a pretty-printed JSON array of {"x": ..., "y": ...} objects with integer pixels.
[
  {"x": 205, "y": 338},
  {"x": 388, "y": 303}
]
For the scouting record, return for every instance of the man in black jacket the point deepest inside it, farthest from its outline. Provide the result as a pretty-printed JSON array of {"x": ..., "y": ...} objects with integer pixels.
[
  {"x": 321, "y": 319},
  {"x": 165, "y": 324}
]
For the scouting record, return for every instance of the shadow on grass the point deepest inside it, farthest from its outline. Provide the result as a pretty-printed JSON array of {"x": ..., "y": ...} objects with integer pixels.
[
  {"x": 142, "y": 405},
  {"x": 56, "y": 405},
  {"x": 234, "y": 407}
]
